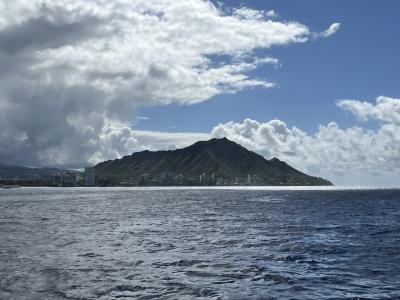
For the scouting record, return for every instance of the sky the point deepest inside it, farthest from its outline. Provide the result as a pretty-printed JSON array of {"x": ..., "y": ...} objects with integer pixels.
[{"x": 314, "y": 83}]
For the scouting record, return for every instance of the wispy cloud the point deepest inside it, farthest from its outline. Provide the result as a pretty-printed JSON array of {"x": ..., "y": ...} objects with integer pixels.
[
  {"x": 330, "y": 31},
  {"x": 143, "y": 118}
]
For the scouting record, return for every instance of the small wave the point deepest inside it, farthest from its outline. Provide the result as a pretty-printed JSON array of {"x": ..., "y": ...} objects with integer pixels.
[
  {"x": 291, "y": 258},
  {"x": 90, "y": 254},
  {"x": 266, "y": 199},
  {"x": 122, "y": 288},
  {"x": 179, "y": 263},
  {"x": 203, "y": 274},
  {"x": 277, "y": 278}
]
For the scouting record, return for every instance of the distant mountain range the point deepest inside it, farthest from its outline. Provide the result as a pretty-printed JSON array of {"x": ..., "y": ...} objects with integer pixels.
[
  {"x": 213, "y": 162},
  {"x": 7, "y": 171}
]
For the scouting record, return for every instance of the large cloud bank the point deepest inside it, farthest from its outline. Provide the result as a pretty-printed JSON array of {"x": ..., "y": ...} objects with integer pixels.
[
  {"x": 346, "y": 156},
  {"x": 72, "y": 72}
]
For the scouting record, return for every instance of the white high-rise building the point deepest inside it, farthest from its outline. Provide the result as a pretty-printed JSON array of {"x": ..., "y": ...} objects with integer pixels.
[
  {"x": 203, "y": 179},
  {"x": 212, "y": 179}
]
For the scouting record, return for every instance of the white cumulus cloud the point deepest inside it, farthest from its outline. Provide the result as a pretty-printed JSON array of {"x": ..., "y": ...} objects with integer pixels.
[
  {"x": 73, "y": 72},
  {"x": 386, "y": 109},
  {"x": 346, "y": 156}
]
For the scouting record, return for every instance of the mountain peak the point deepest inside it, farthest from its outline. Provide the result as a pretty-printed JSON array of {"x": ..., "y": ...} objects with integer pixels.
[
  {"x": 216, "y": 141},
  {"x": 222, "y": 139}
]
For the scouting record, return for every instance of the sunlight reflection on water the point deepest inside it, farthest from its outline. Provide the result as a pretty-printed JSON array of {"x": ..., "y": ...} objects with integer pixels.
[{"x": 280, "y": 242}]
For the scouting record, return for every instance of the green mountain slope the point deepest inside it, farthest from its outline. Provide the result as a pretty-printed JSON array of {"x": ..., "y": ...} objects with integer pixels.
[{"x": 222, "y": 161}]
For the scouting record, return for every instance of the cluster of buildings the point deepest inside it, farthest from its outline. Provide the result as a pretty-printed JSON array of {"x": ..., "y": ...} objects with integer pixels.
[
  {"x": 25, "y": 181},
  {"x": 67, "y": 179},
  {"x": 28, "y": 180},
  {"x": 73, "y": 179},
  {"x": 207, "y": 180},
  {"x": 165, "y": 179},
  {"x": 54, "y": 178},
  {"x": 204, "y": 179},
  {"x": 88, "y": 178}
]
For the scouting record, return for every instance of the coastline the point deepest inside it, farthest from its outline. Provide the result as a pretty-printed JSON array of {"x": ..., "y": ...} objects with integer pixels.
[{"x": 244, "y": 188}]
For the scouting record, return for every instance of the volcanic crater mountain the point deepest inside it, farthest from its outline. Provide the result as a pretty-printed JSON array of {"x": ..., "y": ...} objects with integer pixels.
[{"x": 213, "y": 162}]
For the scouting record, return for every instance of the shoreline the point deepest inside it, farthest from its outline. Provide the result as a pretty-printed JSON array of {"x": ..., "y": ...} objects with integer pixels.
[{"x": 244, "y": 188}]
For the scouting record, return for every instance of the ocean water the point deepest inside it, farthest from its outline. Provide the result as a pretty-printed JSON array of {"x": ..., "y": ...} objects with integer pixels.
[{"x": 111, "y": 243}]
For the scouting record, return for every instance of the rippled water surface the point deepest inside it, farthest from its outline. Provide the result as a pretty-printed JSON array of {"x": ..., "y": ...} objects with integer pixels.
[{"x": 182, "y": 244}]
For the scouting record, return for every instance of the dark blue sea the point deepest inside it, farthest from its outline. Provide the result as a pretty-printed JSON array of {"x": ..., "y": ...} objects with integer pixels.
[{"x": 111, "y": 243}]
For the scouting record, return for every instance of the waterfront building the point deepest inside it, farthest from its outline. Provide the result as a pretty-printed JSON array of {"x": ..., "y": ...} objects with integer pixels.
[
  {"x": 220, "y": 181},
  {"x": 69, "y": 179},
  {"x": 57, "y": 180},
  {"x": 249, "y": 179},
  {"x": 179, "y": 180},
  {"x": 89, "y": 176},
  {"x": 212, "y": 179},
  {"x": 167, "y": 179},
  {"x": 144, "y": 179},
  {"x": 203, "y": 179}
]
